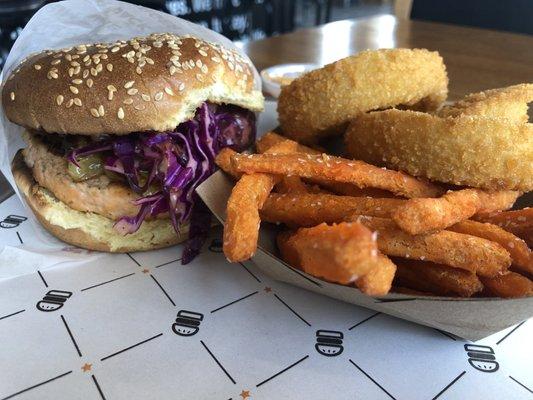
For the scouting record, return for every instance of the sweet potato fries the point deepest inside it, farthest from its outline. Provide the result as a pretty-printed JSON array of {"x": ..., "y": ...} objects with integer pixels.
[{"x": 345, "y": 218}]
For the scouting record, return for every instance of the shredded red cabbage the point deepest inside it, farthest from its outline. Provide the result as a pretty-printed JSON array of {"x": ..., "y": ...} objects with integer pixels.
[{"x": 176, "y": 163}]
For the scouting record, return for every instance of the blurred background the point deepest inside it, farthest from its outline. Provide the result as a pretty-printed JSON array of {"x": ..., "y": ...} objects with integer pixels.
[
  {"x": 239, "y": 20},
  {"x": 245, "y": 20}
]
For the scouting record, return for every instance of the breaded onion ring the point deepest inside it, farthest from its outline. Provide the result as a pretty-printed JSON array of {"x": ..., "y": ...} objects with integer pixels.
[
  {"x": 322, "y": 102},
  {"x": 482, "y": 152},
  {"x": 508, "y": 102}
]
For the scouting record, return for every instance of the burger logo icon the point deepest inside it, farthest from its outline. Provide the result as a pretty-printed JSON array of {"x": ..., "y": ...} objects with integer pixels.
[
  {"x": 53, "y": 300},
  {"x": 482, "y": 358},
  {"x": 12, "y": 221},
  {"x": 187, "y": 323},
  {"x": 329, "y": 343}
]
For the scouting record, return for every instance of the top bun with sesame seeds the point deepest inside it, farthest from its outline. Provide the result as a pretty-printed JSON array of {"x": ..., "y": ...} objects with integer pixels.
[{"x": 148, "y": 83}]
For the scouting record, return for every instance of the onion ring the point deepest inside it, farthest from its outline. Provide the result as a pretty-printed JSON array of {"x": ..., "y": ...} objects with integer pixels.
[
  {"x": 322, "y": 102},
  {"x": 477, "y": 151}
]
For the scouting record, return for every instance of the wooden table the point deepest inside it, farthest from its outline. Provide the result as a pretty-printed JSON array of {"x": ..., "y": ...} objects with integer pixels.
[{"x": 476, "y": 59}]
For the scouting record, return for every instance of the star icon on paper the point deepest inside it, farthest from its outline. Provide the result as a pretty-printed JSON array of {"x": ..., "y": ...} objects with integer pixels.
[
  {"x": 145, "y": 271},
  {"x": 86, "y": 367},
  {"x": 245, "y": 394},
  {"x": 267, "y": 289}
]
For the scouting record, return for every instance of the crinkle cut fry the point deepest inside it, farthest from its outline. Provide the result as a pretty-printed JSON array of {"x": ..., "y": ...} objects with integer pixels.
[
  {"x": 306, "y": 210},
  {"x": 335, "y": 169},
  {"x": 520, "y": 253},
  {"x": 478, "y": 255},
  {"x": 439, "y": 279},
  {"x": 509, "y": 285},
  {"x": 339, "y": 253},
  {"x": 425, "y": 215}
]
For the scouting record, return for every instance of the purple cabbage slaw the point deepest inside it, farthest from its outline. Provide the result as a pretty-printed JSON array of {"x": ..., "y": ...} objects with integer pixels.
[{"x": 175, "y": 162}]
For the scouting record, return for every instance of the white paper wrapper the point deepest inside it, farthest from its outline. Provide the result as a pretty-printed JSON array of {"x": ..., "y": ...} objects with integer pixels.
[{"x": 72, "y": 22}]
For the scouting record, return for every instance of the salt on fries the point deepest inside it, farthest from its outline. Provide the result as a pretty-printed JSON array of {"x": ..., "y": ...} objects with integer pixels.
[
  {"x": 337, "y": 253},
  {"x": 510, "y": 284},
  {"x": 347, "y": 217},
  {"x": 425, "y": 215},
  {"x": 336, "y": 169},
  {"x": 436, "y": 278},
  {"x": 518, "y": 222},
  {"x": 457, "y": 250}
]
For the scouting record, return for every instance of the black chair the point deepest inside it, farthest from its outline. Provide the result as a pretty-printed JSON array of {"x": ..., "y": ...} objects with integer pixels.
[{"x": 510, "y": 15}]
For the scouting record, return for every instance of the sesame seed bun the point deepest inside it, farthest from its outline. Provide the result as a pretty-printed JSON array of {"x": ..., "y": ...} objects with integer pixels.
[
  {"x": 149, "y": 83},
  {"x": 85, "y": 229}
]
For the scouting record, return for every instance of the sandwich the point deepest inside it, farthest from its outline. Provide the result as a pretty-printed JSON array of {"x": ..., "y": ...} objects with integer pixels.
[{"x": 120, "y": 134}]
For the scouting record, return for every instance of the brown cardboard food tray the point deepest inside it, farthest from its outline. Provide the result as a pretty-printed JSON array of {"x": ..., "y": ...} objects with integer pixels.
[{"x": 471, "y": 318}]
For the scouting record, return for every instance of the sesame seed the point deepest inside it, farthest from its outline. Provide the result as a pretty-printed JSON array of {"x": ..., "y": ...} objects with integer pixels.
[
  {"x": 129, "y": 84},
  {"x": 172, "y": 70},
  {"x": 145, "y": 97},
  {"x": 77, "y": 81},
  {"x": 200, "y": 77},
  {"x": 203, "y": 53},
  {"x": 85, "y": 73},
  {"x": 99, "y": 68},
  {"x": 139, "y": 70},
  {"x": 132, "y": 91},
  {"x": 59, "y": 100},
  {"x": 77, "y": 102},
  {"x": 94, "y": 72},
  {"x": 181, "y": 86},
  {"x": 120, "y": 113},
  {"x": 101, "y": 110},
  {"x": 12, "y": 96},
  {"x": 158, "y": 96},
  {"x": 129, "y": 100},
  {"x": 94, "y": 112},
  {"x": 216, "y": 59},
  {"x": 169, "y": 91},
  {"x": 74, "y": 89},
  {"x": 89, "y": 83},
  {"x": 204, "y": 69},
  {"x": 86, "y": 58},
  {"x": 69, "y": 103},
  {"x": 231, "y": 66},
  {"x": 149, "y": 61},
  {"x": 55, "y": 62},
  {"x": 115, "y": 49},
  {"x": 71, "y": 72},
  {"x": 37, "y": 67}
]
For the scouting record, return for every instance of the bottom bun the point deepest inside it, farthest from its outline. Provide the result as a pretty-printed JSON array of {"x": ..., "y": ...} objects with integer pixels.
[{"x": 88, "y": 230}]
